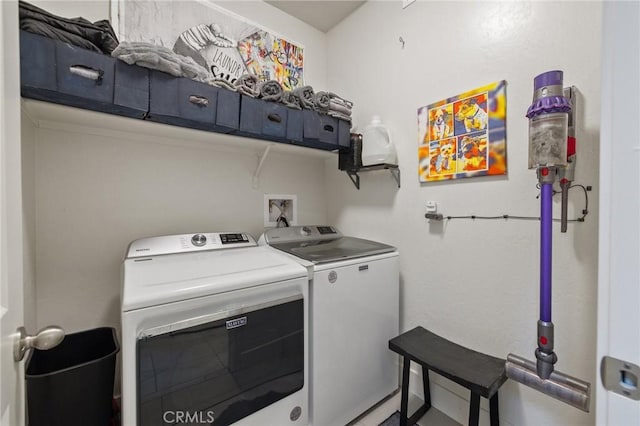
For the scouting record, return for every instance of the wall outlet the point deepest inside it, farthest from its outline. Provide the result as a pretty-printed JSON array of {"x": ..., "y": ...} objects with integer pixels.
[
  {"x": 431, "y": 207},
  {"x": 407, "y": 3}
]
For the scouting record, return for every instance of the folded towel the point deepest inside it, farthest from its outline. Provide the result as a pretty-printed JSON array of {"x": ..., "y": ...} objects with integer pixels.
[
  {"x": 160, "y": 58},
  {"x": 291, "y": 100},
  {"x": 322, "y": 100},
  {"x": 270, "y": 90},
  {"x": 247, "y": 84},
  {"x": 340, "y": 100},
  {"x": 306, "y": 96},
  {"x": 339, "y": 115},
  {"x": 338, "y": 107},
  {"x": 222, "y": 83}
]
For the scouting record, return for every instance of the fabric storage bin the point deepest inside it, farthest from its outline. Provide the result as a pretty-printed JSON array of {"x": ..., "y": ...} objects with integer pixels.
[
  {"x": 72, "y": 383},
  {"x": 319, "y": 131},
  {"x": 228, "y": 111},
  {"x": 311, "y": 123},
  {"x": 86, "y": 76},
  {"x": 344, "y": 134},
  {"x": 37, "y": 65},
  {"x": 274, "y": 120},
  {"x": 131, "y": 90},
  {"x": 251, "y": 116},
  {"x": 188, "y": 103},
  {"x": 58, "y": 72},
  {"x": 295, "y": 125},
  {"x": 328, "y": 130},
  {"x": 263, "y": 119}
]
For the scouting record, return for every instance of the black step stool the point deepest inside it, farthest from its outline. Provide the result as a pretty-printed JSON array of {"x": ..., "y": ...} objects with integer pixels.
[{"x": 481, "y": 374}]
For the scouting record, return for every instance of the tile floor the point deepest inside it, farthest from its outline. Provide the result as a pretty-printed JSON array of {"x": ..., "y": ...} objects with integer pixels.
[{"x": 378, "y": 414}]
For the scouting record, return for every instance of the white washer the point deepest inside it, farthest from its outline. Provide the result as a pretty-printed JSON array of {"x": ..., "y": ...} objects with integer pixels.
[
  {"x": 354, "y": 308},
  {"x": 214, "y": 329}
]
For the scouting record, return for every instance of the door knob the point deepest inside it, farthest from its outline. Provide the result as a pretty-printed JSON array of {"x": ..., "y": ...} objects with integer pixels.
[{"x": 47, "y": 338}]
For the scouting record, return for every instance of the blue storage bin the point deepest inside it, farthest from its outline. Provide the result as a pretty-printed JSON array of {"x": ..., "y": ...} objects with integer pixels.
[
  {"x": 262, "y": 119},
  {"x": 188, "y": 103},
  {"x": 329, "y": 130},
  {"x": 274, "y": 120},
  {"x": 295, "y": 125},
  {"x": 250, "y": 116},
  {"x": 86, "y": 76},
  {"x": 37, "y": 64},
  {"x": 228, "y": 112},
  {"x": 131, "y": 90},
  {"x": 320, "y": 131},
  {"x": 311, "y": 122}
]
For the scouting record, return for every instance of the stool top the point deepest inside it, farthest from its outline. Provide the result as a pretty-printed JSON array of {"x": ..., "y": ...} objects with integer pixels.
[{"x": 481, "y": 373}]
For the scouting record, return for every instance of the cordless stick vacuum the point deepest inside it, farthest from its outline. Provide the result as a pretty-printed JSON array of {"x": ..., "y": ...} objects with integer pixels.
[{"x": 548, "y": 127}]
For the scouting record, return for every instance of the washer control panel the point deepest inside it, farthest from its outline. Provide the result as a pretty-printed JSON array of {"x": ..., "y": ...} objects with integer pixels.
[
  {"x": 301, "y": 233},
  {"x": 185, "y": 243}
]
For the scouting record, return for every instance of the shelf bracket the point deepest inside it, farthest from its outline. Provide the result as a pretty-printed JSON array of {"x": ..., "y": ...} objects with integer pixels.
[
  {"x": 355, "y": 178},
  {"x": 396, "y": 175},
  {"x": 353, "y": 175},
  {"x": 256, "y": 175}
]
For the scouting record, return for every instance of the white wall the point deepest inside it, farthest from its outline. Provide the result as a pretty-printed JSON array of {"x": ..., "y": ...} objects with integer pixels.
[{"x": 476, "y": 282}]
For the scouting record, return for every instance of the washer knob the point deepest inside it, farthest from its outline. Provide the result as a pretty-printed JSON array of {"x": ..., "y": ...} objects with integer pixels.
[
  {"x": 306, "y": 230},
  {"x": 199, "y": 240}
]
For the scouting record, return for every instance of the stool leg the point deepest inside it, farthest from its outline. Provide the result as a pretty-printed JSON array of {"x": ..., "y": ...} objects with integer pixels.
[
  {"x": 474, "y": 409},
  {"x": 404, "y": 402},
  {"x": 493, "y": 410},
  {"x": 425, "y": 387}
]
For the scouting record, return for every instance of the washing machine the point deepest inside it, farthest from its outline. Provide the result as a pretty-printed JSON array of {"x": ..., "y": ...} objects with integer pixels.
[
  {"x": 354, "y": 311},
  {"x": 214, "y": 331}
]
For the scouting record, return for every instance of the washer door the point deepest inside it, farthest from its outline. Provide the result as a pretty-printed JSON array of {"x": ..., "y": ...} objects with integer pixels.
[{"x": 222, "y": 367}]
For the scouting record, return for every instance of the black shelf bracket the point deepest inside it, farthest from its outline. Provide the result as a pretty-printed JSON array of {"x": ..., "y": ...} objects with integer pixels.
[{"x": 355, "y": 177}]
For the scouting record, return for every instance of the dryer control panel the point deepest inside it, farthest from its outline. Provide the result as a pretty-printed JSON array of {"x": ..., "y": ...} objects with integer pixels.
[{"x": 186, "y": 243}]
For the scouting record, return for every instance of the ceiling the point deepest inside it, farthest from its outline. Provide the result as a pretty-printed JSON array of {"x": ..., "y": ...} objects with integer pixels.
[{"x": 322, "y": 15}]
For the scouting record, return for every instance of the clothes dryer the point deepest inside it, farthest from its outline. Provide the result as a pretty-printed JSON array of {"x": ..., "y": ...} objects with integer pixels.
[
  {"x": 214, "y": 331},
  {"x": 354, "y": 308}
]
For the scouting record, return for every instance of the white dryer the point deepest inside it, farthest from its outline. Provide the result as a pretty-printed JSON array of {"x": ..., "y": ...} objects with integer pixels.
[
  {"x": 354, "y": 308},
  {"x": 214, "y": 331}
]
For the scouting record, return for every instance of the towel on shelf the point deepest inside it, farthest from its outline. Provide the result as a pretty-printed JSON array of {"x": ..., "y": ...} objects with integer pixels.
[
  {"x": 340, "y": 100},
  {"x": 339, "y": 107},
  {"x": 339, "y": 115},
  {"x": 247, "y": 84},
  {"x": 322, "y": 101},
  {"x": 291, "y": 100},
  {"x": 160, "y": 58},
  {"x": 270, "y": 90},
  {"x": 221, "y": 83},
  {"x": 306, "y": 96}
]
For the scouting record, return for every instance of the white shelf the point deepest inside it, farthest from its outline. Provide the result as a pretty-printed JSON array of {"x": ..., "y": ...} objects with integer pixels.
[{"x": 60, "y": 117}]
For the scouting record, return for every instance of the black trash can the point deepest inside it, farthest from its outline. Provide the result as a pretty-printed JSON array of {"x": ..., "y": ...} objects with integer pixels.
[{"x": 72, "y": 384}]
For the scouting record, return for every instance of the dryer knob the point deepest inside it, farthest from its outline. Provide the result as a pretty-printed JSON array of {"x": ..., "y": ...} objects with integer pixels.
[
  {"x": 198, "y": 240},
  {"x": 306, "y": 230}
]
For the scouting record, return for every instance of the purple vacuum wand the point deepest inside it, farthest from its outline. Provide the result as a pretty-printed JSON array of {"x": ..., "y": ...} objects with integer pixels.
[
  {"x": 548, "y": 134},
  {"x": 549, "y": 155}
]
